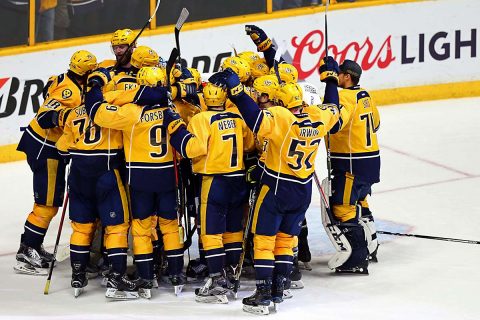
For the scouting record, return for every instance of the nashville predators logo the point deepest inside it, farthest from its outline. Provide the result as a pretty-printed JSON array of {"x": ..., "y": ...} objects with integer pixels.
[
  {"x": 67, "y": 93},
  {"x": 268, "y": 82},
  {"x": 366, "y": 103}
]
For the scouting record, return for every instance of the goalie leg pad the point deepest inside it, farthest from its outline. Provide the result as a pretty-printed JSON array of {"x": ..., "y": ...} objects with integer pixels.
[{"x": 368, "y": 224}]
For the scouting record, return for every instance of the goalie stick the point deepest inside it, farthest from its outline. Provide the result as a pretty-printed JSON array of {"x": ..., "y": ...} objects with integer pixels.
[{"x": 428, "y": 237}]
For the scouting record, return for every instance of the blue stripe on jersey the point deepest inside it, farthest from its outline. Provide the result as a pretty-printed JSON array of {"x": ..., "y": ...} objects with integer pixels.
[{"x": 222, "y": 116}]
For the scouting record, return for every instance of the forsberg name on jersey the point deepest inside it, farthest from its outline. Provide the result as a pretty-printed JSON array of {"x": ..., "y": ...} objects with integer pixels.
[
  {"x": 309, "y": 132},
  {"x": 152, "y": 116},
  {"x": 226, "y": 124}
]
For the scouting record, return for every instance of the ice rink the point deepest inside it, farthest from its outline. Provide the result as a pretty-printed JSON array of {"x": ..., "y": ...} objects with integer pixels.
[{"x": 430, "y": 185}]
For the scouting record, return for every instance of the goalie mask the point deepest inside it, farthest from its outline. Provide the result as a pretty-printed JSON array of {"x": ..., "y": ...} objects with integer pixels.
[{"x": 82, "y": 62}]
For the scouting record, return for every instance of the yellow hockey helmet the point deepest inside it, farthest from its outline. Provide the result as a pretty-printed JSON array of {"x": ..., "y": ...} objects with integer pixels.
[
  {"x": 214, "y": 96},
  {"x": 83, "y": 62},
  {"x": 196, "y": 76},
  {"x": 122, "y": 36},
  {"x": 290, "y": 95},
  {"x": 267, "y": 84},
  {"x": 288, "y": 73},
  {"x": 239, "y": 66},
  {"x": 259, "y": 68},
  {"x": 151, "y": 76},
  {"x": 144, "y": 56},
  {"x": 249, "y": 56}
]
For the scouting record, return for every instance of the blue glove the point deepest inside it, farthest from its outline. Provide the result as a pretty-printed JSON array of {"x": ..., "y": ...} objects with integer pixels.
[
  {"x": 219, "y": 79},
  {"x": 259, "y": 37},
  {"x": 93, "y": 96},
  {"x": 232, "y": 82},
  {"x": 172, "y": 121},
  {"x": 328, "y": 70},
  {"x": 100, "y": 77}
]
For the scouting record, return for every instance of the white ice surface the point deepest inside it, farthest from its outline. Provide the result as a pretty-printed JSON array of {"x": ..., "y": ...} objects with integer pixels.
[{"x": 430, "y": 184}]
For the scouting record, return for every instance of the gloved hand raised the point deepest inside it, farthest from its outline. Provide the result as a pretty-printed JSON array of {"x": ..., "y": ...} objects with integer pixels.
[
  {"x": 328, "y": 70},
  {"x": 259, "y": 37},
  {"x": 100, "y": 77}
]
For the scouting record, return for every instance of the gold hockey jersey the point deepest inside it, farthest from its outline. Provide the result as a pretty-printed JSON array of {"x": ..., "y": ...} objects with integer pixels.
[
  {"x": 216, "y": 143},
  {"x": 291, "y": 145},
  {"x": 93, "y": 148},
  {"x": 149, "y": 156},
  {"x": 63, "y": 94},
  {"x": 354, "y": 148}
]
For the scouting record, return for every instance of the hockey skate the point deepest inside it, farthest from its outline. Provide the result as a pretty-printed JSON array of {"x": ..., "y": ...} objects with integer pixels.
[
  {"x": 296, "y": 277},
  {"x": 29, "y": 261},
  {"x": 79, "y": 279},
  {"x": 145, "y": 288},
  {"x": 213, "y": 291},
  {"x": 287, "y": 292},
  {"x": 196, "y": 271},
  {"x": 177, "y": 282},
  {"x": 359, "y": 269},
  {"x": 260, "y": 300},
  {"x": 119, "y": 287},
  {"x": 278, "y": 287}
]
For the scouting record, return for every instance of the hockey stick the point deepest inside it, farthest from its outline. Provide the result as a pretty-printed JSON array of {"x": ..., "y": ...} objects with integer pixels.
[
  {"x": 238, "y": 271},
  {"x": 327, "y": 140},
  {"x": 281, "y": 50},
  {"x": 178, "y": 26},
  {"x": 428, "y": 237},
  {"x": 137, "y": 36},
  {"x": 50, "y": 271}
]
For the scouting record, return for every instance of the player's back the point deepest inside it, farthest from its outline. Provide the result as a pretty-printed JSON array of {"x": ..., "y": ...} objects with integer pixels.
[
  {"x": 221, "y": 136},
  {"x": 93, "y": 149},
  {"x": 355, "y": 147}
]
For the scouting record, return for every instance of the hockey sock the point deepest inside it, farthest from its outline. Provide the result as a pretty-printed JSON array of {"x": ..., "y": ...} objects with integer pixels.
[
  {"x": 118, "y": 259},
  {"x": 79, "y": 254},
  {"x": 175, "y": 261},
  {"x": 144, "y": 263},
  {"x": 283, "y": 265}
]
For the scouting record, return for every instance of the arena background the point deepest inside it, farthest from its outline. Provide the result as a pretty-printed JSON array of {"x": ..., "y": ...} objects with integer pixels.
[{"x": 415, "y": 54}]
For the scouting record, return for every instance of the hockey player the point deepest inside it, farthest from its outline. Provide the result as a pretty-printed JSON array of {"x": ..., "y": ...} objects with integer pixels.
[
  {"x": 151, "y": 178},
  {"x": 38, "y": 143},
  {"x": 122, "y": 47},
  {"x": 294, "y": 134},
  {"x": 355, "y": 167},
  {"x": 215, "y": 141},
  {"x": 96, "y": 191}
]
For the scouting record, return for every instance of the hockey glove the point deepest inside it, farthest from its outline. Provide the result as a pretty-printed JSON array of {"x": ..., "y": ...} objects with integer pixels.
[
  {"x": 219, "y": 79},
  {"x": 235, "y": 87},
  {"x": 328, "y": 70},
  {"x": 185, "y": 90},
  {"x": 100, "y": 77},
  {"x": 259, "y": 37},
  {"x": 47, "y": 120},
  {"x": 172, "y": 121}
]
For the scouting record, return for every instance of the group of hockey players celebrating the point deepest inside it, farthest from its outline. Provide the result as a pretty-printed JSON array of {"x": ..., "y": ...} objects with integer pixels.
[{"x": 149, "y": 147}]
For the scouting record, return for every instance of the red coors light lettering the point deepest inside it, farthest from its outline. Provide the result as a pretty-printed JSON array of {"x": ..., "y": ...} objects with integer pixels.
[{"x": 314, "y": 44}]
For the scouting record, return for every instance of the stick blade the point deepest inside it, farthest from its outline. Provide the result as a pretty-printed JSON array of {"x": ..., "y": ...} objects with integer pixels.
[{"x": 182, "y": 18}]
